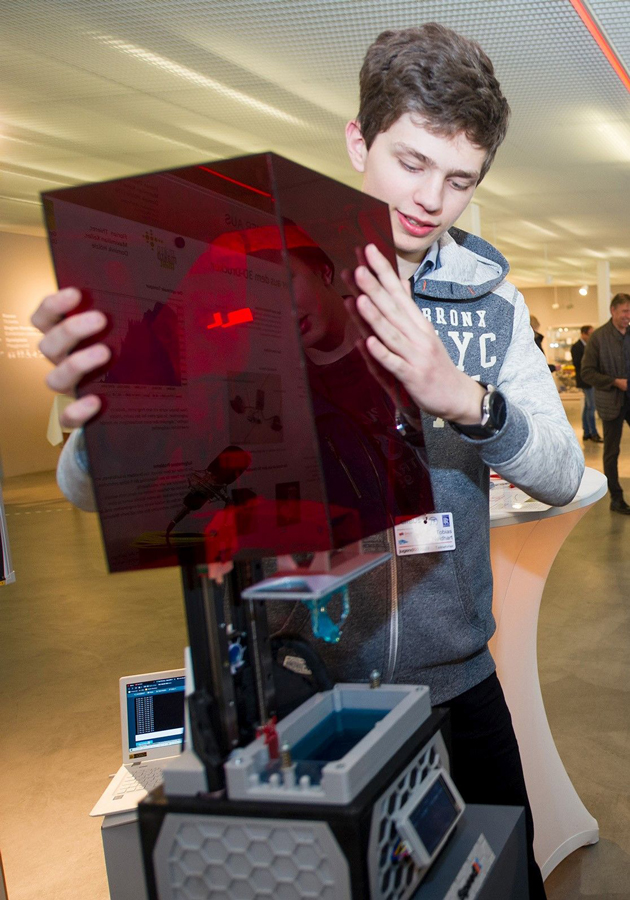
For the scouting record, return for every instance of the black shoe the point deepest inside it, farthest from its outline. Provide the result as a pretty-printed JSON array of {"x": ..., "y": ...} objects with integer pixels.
[
  {"x": 620, "y": 506},
  {"x": 597, "y": 439}
]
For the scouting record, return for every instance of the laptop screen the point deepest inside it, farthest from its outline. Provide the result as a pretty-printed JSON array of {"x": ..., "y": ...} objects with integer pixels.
[{"x": 155, "y": 713}]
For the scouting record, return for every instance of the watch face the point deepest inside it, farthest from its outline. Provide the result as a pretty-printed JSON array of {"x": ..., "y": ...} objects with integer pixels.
[
  {"x": 487, "y": 421},
  {"x": 493, "y": 415}
]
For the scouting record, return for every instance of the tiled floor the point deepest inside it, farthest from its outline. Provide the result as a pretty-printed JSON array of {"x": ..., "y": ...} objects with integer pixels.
[
  {"x": 68, "y": 631},
  {"x": 584, "y": 664}
]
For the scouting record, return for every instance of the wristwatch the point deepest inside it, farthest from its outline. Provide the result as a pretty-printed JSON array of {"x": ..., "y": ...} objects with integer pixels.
[{"x": 493, "y": 413}]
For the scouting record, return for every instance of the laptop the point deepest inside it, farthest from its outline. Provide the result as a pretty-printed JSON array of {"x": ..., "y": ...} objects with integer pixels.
[{"x": 152, "y": 730}]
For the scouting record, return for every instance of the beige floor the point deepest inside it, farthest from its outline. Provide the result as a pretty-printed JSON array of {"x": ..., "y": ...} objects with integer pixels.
[{"x": 68, "y": 631}]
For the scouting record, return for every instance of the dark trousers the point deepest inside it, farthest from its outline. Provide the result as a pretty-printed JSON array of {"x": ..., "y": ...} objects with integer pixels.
[
  {"x": 486, "y": 763},
  {"x": 589, "y": 426},
  {"x": 612, "y": 441}
]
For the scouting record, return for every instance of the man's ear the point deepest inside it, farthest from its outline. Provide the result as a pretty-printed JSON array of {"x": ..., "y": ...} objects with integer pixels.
[
  {"x": 357, "y": 151},
  {"x": 327, "y": 274}
]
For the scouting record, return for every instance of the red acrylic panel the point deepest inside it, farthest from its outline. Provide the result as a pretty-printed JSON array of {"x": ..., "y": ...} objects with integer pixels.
[{"x": 238, "y": 416}]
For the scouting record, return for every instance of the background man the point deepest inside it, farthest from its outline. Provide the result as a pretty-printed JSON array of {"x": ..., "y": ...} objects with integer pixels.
[
  {"x": 538, "y": 339},
  {"x": 605, "y": 367},
  {"x": 589, "y": 426},
  {"x": 431, "y": 119}
]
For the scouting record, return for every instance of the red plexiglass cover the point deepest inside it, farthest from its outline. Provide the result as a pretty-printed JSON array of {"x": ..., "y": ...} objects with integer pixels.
[{"x": 238, "y": 416}]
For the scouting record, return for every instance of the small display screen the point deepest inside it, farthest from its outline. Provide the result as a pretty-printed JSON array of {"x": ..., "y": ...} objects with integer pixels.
[{"x": 434, "y": 815}]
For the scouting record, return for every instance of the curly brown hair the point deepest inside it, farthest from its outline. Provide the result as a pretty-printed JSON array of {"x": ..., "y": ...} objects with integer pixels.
[{"x": 436, "y": 74}]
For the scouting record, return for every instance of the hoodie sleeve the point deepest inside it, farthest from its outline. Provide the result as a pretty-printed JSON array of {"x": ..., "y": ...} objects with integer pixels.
[
  {"x": 537, "y": 448},
  {"x": 73, "y": 474}
]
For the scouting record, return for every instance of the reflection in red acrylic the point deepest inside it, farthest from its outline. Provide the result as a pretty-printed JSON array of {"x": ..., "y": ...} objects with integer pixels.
[
  {"x": 234, "y": 181},
  {"x": 210, "y": 485},
  {"x": 238, "y": 317},
  {"x": 268, "y": 439}
]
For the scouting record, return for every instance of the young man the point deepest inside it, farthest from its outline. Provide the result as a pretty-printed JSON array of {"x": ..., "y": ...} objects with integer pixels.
[
  {"x": 455, "y": 334},
  {"x": 589, "y": 426},
  {"x": 606, "y": 366}
]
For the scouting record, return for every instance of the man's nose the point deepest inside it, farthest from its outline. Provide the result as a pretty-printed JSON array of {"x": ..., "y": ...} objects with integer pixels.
[{"x": 429, "y": 194}]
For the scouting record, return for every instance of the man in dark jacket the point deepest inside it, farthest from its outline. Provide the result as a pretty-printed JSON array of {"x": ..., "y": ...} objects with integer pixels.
[
  {"x": 588, "y": 412},
  {"x": 605, "y": 367}
]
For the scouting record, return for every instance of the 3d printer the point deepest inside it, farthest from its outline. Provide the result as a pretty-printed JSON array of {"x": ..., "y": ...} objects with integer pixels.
[
  {"x": 231, "y": 342},
  {"x": 348, "y": 796}
]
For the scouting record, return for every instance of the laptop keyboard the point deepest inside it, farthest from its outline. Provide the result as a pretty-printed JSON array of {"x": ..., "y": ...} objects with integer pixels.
[{"x": 142, "y": 778}]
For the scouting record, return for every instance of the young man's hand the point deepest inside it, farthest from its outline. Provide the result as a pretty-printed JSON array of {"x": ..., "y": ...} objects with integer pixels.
[
  {"x": 61, "y": 335},
  {"x": 407, "y": 347}
]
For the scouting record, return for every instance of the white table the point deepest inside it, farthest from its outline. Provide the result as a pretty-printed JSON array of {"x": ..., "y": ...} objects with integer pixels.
[
  {"x": 123, "y": 856},
  {"x": 522, "y": 555}
]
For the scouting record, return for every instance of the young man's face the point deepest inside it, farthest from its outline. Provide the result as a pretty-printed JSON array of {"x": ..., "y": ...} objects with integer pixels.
[
  {"x": 426, "y": 180},
  {"x": 321, "y": 313}
]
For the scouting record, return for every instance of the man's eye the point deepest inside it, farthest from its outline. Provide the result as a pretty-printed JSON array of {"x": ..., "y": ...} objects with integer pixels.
[
  {"x": 458, "y": 186},
  {"x": 408, "y": 167}
]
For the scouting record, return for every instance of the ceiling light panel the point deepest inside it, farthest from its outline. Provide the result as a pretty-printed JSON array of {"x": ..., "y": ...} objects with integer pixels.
[
  {"x": 181, "y": 72},
  {"x": 22, "y": 152},
  {"x": 28, "y": 77}
]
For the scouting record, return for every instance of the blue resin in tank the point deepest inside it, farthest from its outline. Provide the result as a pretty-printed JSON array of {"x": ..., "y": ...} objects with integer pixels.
[{"x": 336, "y": 735}]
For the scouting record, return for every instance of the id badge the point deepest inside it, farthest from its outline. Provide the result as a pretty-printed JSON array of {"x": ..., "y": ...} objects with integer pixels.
[{"x": 425, "y": 534}]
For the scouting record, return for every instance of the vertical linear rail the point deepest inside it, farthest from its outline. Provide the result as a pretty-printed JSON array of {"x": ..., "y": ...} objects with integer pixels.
[
  {"x": 600, "y": 39},
  {"x": 258, "y": 643},
  {"x": 215, "y": 729},
  {"x": 261, "y": 658},
  {"x": 221, "y": 675},
  {"x": 196, "y": 622}
]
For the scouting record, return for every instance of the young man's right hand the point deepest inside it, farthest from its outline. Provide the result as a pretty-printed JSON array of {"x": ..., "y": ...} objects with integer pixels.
[
  {"x": 407, "y": 348},
  {"x": 62, "y": 332}
]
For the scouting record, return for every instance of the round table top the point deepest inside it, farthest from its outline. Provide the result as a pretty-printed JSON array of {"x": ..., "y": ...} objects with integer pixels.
[{"x": 592, "y": 488}]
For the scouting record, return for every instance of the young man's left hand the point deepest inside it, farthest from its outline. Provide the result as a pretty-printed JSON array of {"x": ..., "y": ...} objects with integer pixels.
[{"x": 407, "y": 346}]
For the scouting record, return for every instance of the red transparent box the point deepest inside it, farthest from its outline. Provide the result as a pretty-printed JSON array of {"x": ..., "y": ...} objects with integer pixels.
[{"x": 239, "y": 417}]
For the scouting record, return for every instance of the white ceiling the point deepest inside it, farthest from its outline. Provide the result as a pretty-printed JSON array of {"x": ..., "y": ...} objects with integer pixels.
[{"x": 96, "y": 90}]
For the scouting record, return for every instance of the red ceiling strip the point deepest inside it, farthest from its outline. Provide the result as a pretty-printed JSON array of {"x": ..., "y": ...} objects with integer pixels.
[
  {"x": 586, "y": 16},
  {"x": 233, "y": 181}
]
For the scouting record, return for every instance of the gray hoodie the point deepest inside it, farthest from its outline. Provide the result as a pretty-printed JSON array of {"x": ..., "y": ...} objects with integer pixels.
[{"x": 428, "y": 618}]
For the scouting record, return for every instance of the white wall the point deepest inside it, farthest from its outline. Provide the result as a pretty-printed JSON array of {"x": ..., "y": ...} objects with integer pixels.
[
  {"x": 574, "y": 309},
  {"x": 25, "y": 401}
]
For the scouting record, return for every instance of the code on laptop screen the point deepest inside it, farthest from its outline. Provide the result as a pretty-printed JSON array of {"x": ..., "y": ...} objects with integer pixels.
[{"x": 155, "y": 713}]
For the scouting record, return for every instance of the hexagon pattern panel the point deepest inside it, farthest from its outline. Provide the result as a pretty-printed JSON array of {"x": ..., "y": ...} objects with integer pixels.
[
  {"x": 389, "y": 879},
  {"x": 232, "y": 858}
]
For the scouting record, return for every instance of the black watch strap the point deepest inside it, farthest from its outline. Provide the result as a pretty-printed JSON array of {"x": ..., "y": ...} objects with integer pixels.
[{"x": 493, "y": 415}]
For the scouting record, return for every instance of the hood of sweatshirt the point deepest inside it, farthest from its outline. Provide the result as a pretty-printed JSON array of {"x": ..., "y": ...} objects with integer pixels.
[{"x": 470, "y": 268}]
